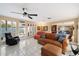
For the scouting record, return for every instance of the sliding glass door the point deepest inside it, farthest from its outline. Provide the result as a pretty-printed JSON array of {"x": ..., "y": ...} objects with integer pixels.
[
  {"x": 31, "y": 29},
  {"x": 11, "y": 27},
  {"x": 7, "y": 26},
  {"x": 22, "y": 28},
  {"x": 2, "y": 28}
]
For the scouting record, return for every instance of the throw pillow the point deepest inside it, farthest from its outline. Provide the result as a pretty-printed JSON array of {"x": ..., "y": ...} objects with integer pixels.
[
  {"x": 61, "y": 36},
  {"x": 43, "y": 36}
]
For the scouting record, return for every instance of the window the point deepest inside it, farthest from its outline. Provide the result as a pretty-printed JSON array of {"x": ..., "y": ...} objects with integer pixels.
[{"x": 7, "y": 26}]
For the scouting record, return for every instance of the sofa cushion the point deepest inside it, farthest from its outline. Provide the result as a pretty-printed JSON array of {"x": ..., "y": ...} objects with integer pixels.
[
  {"x": 64, "y": 45},
  {"x": 51, "y": 36}
]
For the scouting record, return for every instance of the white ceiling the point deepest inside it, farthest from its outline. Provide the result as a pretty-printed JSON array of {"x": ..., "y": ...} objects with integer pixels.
[{"x": 56, "y": 11}]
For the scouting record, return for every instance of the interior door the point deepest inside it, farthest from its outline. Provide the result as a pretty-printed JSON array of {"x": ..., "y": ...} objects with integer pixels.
[{"x": 54, "y": 28}]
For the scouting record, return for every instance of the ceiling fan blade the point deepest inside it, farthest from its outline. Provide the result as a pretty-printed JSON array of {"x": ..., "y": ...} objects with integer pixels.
[
  {"x": 17, "y": 12},
  {"x": 33, "y": 14},
  {"x": 23, "y": 9},
  {"x": 29, "y": 17}
]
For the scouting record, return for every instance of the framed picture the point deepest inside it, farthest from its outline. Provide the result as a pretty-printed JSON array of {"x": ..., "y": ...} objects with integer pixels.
[
  {"x": 38, "y": 27},
  {"x": 45, "y": 28}
]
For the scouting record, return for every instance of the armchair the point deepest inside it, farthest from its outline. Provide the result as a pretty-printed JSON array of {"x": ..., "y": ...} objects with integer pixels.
[{"x": 11, "y": 40}]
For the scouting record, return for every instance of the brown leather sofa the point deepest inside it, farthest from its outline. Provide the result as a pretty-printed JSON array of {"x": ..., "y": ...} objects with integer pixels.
[{"x": 51, "y": 38}]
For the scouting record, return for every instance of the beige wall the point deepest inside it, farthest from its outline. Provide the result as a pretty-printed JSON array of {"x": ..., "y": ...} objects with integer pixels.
[
  {"x": 44, "y": 24},
  {"x": 49, "y": 24},
  {"x": 78, "y": 31}
]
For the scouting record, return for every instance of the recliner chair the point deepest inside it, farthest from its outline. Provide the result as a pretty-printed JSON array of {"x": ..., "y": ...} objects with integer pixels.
[{"x": 11, "y": 40}]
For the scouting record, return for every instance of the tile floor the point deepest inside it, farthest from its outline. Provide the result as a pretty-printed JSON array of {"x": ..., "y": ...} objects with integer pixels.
[{"x": 26, "y": 47}]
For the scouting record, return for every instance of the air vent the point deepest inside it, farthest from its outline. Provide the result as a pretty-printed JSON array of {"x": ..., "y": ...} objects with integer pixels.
[{"x": 49, "y": 18}]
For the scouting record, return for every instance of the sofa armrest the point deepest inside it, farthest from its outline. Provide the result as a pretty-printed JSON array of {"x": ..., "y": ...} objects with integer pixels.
[
  {"x": 64, "y": 45},
  {"x": 36, "y": 36}
]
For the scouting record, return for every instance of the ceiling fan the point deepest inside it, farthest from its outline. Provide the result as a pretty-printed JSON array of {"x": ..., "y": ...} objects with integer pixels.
[{"x": 25, "y": 13}]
